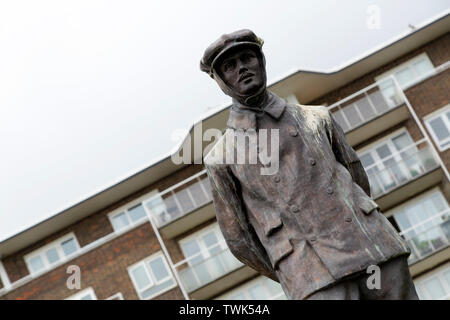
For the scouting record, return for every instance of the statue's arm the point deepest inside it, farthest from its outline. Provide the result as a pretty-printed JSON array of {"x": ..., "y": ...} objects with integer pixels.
[
  {"x": 347, "y": 156},
  {"x": 239, "y": 236}
]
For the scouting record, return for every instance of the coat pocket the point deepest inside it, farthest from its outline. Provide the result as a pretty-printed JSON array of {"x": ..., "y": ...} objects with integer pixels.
[
  {"x": 278, "y": 249},
  {"x": 365, "y": 203}
]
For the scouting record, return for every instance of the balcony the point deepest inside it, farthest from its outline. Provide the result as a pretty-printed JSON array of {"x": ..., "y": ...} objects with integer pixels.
[
  {"x": 182, "y": 206},
  {"x": 429, "y": 239},
  {"x": 370, "y": 111},
  {"x": 404, "y": 174},
  {"x": 206, "y": 275}
]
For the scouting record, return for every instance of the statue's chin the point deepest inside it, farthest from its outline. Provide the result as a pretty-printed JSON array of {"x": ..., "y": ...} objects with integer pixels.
[{"x": 251, "y": 89}]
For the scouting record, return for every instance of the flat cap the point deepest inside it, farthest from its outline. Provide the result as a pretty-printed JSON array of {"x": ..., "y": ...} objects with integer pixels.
[{"x": 242, "y": 37}]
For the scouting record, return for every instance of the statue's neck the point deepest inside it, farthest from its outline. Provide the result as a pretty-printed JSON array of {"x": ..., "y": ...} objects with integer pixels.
[{"x": 255, "y": 101}]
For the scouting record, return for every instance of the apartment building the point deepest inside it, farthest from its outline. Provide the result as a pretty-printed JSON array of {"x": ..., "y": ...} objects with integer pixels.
[{"x": 154, "y": 235}]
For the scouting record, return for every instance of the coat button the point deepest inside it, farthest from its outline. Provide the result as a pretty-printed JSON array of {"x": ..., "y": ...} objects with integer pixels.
[
  {"x": 330, "y": 190},
  {"x": 348, "y": 219},
  {"x": 295, "y": 208},
  {"x": 312, "y": 161},
  {"x": 276, "y": 179},
  {"x": 293, "y": 132}
]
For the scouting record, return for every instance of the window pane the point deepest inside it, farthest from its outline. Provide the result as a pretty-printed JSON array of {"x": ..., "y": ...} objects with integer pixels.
[
  {"x": 423, "y": 67},
  {"x": 192, "y": 248},
  {"x": 239, "y": 296},
  {"x": 207, "y": 186},
  {"x": 402, "y": 141},
  {"x": 367, "y": 160},
  {"x": 87, "y": 297},
  {"x": 439, "y": 128},
  {"x": 185, "y": 200},
  {"x": 434, "y": 289},
  {"x": 36, "y": 264},
  {"x": 158, "y": 210},
  {"x": 69, "y": 246},
  {"x": 383, "y": 151},
  {"x": 52, "y": 255},
  {"x": 352, "y": 115},
  {"x": 159, "y": 269},
  {"x": 157, "y": 289},
  {"x": 140, "y": 277},
  {"x": 120, "y": 221},
  {"x": 137, "y": 213},
  {"x": 404, "y": 77},
  {"x": 339, "y": 118},
  {"x": 365, "y": 108},
  {"x": 389, "y": 91},
  {"x": 447, "y": 278},
  {"x": 198, "y": 194},
  {"x": 257, "y": 292}
]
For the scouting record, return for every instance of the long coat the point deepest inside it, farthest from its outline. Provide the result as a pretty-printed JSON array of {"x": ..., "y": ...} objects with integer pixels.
[{"x": 310, "y": 223}]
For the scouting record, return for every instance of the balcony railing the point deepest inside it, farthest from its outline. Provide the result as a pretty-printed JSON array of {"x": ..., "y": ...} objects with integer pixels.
[
  {"x": 375, "y": 100},
  {"x": 401, "y": 167},
  {"x": 180, "y": 199},
  {"x": 366, "y": 104},
  {"x": 429, "y": 236},
  {"x": 197, "y": 271}
]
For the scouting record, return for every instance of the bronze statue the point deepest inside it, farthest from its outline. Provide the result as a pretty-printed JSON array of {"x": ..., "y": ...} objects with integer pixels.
[{"x": 311, "y": 225}]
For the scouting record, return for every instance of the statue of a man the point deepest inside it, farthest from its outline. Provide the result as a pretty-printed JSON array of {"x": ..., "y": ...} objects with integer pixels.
[{"x": 311, "y": 225}]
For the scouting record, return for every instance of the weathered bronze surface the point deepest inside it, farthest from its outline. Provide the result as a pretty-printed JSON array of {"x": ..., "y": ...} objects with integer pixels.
[{"x": 312, "y": 224}]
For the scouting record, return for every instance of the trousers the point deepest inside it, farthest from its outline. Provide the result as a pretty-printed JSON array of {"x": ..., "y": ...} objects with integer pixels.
[{"x": 395, "y": 284}]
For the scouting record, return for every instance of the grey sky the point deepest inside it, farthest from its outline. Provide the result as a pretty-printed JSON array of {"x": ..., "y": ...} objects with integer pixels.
[{"x": 91, "y": 91}]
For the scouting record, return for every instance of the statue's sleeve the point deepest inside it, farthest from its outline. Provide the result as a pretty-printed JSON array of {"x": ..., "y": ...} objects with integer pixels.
[
  {"x": 230, "y": 212},
  {"x": 347, "y": 156}
]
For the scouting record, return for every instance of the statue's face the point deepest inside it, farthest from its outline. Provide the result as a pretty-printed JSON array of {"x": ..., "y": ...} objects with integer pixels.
[{"x": 242, "y": 71}]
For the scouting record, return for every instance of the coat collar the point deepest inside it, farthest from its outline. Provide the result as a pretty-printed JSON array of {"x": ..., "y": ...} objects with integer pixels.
[{"x": 244, "y": 117}]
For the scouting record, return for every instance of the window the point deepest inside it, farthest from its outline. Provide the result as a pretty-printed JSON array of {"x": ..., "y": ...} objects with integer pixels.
[
  {"x": 187, "y": 197},
  {"x": 260, "y": 289},
  {"x": 125, "y": 218},
  {"x": 52, "y": 254},
  {"x": 425, "y": 224},
  {"x": 406, "y": 75},
  {"x": 152, "y": 276},
  {"x": 117, "y": 296},
  {"x": 394, "y": 161},
  {"x": 435, "y": 287},
  {"x": 208, "y": 258},
  {"x": 86, "y": 294},
  {"x": 439, "y": 127}
]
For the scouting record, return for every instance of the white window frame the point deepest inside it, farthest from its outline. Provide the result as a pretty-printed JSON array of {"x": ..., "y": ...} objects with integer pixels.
[
  {"x": 116, "y": 296},
  {"x": 244, "y": 289},
  {"x": 441, "y": 113},
  {"x": 149, "y": 272},
  {"x": 439, "y": 274},
  {"x": 128, "y": 206},
  {"x": 54, "y": 244},
  {"x": 416, "y": 200},
  {"x": 408, "y": 64},
  {"x": 371, "y": 148},
  {"x": 79, "y": 294},
  {"x": 203, "y": 248}
]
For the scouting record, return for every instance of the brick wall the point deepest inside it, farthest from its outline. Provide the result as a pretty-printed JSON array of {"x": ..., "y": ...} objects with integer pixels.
[
  {"x": 104, "y": 269},
  {"x": 437, "y": 50},
  {"x": 88, "y": 230}
]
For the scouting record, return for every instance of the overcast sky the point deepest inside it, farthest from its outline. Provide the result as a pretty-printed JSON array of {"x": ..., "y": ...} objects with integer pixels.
[{"x": 92, "y": 91}]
